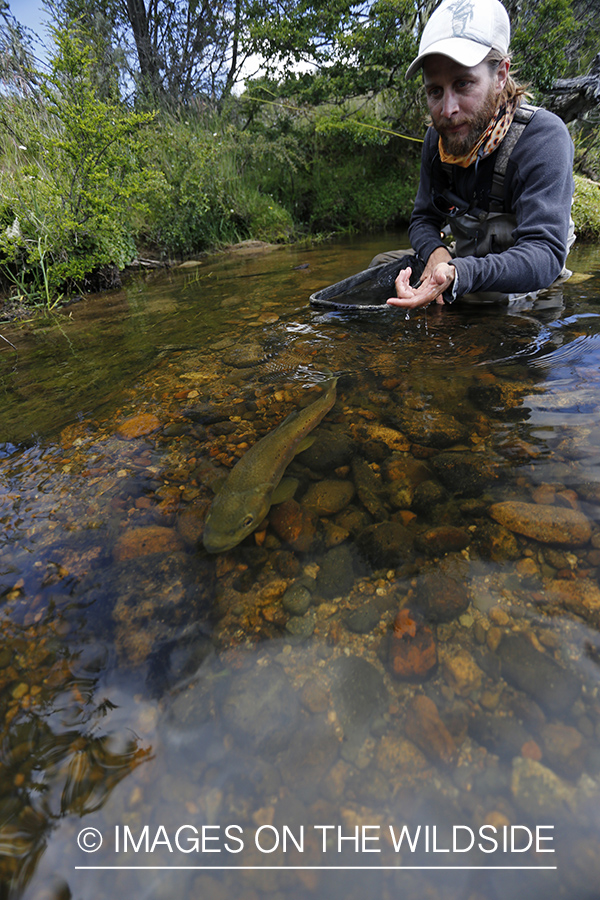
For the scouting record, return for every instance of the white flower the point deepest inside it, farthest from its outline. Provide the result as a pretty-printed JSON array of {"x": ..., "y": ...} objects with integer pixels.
[{"x": 13, "y": 231}]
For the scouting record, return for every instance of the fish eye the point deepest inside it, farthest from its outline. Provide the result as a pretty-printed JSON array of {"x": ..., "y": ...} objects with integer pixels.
[{"x": 248, "y": 521}]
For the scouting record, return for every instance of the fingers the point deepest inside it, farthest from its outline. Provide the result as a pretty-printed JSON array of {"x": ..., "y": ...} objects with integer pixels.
[{"x": 402, "y": 284}]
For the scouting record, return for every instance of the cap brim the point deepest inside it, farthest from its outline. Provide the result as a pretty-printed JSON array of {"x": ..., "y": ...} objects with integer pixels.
[{"x": 467, "y": 53}]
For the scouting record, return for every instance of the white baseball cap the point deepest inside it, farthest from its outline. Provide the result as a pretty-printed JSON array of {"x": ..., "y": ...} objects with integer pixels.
[{"x": 464, "y": 30}]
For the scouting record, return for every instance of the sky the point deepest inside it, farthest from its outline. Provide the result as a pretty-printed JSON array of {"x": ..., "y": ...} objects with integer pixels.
[
  {"x": 32, "y": 14},
  {"x": 28, "y": 12}
]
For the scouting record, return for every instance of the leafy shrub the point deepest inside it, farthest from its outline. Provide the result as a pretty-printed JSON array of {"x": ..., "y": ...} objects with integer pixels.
[{"x": 586, "y": 208}]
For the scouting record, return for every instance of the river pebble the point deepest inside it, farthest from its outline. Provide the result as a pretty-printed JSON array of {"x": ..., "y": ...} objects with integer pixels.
[
  {"x": 296, "y": 600},
  {"x": 442, "y": 539},
  {"x": 145, "y": 540},
  {"x": 336, "y": 572},
  {"x": 430, "y": 427},
  {"x": 581, "y": 597},
  {"x": 138, "y": 426},
  {"x": 565, "y": 749},
  {"x": 385, "y": 545},
  {"x": 461, "y": 672},
  {"x": 413, "y": 650},
  {"x": 537, "y": 674},
  {"x": 262, "y": 708},
  {"x": 537, "y": 790},
  {"x": 327, "y": 497},
  {"x": 294, "y": 524},
  {"x": 549, "y": 524},
  {"x": 362, "y": 620},
  {"x": 441, "y": 597},
  {"x": 425, "y": 728}
]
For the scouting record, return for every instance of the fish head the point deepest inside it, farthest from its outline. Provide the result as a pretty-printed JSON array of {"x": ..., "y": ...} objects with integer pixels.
[{"x": 233, "y": 516}]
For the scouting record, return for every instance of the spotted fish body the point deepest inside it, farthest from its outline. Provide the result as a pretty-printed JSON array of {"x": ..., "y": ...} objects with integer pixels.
[{"x": 247, "y": 495}]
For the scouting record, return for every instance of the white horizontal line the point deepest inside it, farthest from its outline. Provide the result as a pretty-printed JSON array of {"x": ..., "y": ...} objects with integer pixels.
[{"x": 320, "y": 868}]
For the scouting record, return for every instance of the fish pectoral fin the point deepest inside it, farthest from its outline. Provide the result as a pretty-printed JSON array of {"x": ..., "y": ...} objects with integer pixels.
[
  {"x": 305, "y": 443},
  {"x": 285, "y": 490},
  {"x": 578, "y": 277}
]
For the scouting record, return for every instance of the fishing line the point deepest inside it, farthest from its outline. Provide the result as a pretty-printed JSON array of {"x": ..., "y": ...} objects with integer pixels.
[{"x": 289, "y": 106}]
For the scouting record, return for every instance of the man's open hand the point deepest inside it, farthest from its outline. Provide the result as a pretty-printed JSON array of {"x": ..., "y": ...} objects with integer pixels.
[{"x": 431, "y": 288}]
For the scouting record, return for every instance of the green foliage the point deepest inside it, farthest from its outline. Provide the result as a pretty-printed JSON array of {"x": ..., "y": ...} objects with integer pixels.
[
  {"x": 540, "y": 39},
  {"x": 73, "y": 176},
  {"x": 205, "y": 197},
  {"x": 586, "y": 208}
]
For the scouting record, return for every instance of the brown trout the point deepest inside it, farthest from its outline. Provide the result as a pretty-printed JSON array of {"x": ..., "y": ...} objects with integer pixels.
[{"x": 248, "y": 493}]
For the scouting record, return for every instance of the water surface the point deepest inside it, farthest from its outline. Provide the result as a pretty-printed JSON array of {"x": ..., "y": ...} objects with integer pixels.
[{"x": 402, "y": 645}]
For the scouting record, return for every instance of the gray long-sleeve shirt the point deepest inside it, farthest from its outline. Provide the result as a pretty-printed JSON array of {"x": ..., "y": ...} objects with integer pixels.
[{"x": 538, "y": 190}]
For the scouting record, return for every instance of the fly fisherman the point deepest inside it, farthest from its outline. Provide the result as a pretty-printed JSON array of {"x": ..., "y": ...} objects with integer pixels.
[{"x": 497, "y": 170}]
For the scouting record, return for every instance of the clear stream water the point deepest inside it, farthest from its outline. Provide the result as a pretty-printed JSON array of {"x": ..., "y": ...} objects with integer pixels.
[{"x": 391, "y": 689}]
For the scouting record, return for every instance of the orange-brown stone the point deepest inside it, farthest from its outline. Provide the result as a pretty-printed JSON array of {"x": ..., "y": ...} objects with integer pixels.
[
  {"x": 146, "y": 540},
  {"x": 138, "y": 426},
  {"x": 425, "y": 728},
  {"x": 294, "y": 524},
  {"x": 413, "y": 652}
]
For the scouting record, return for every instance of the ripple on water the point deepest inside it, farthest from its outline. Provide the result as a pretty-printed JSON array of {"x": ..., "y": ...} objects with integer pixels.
[{"x": 415, "y": 661}]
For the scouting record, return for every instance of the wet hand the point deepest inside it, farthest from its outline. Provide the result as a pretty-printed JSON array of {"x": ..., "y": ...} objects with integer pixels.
[{"x": 430, "y": 289}]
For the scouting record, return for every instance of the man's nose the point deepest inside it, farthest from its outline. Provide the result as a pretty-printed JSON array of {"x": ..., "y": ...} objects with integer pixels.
[{"x": 449, "y": 105}]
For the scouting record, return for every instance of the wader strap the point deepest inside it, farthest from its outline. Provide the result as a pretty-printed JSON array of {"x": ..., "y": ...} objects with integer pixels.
[{"x": 522, "y": 116}]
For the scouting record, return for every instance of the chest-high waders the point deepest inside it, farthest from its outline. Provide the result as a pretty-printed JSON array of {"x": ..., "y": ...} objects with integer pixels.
[{"x": 478, "y": 232}]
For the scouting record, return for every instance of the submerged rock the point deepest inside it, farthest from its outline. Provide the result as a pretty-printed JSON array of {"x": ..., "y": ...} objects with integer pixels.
[
  {"x": 548, "y": 524},
  {"x": 462, "y": 673},
  {"x": 325, "y": 498},
  {"x": 359, "y": 695},
  {"x": 467, "y": 474},
  {"x": 330, "y": 450},
  {"x": 244, "y": 355},
  {"x": 502, "y": 735},
  {"x": 362, "y": 620},
  {"x": 138, "y": 426},
  {"x": 537, "y": 790},
  {"x": 428, "y": 494},
  {"x": 581, "y": 597},
  {"x": 294, "y": 524},
  {"x": 145, "y": 540},
  {"x": 369, "y": 488},
  {"x": 296, "y": 599},
  {"x": 564, "y": 749},
  {"x": 442, "y": 539},
  {"x": 431, "y": 427},
  {"x": 336, "y": 574},
  {"x": 537, "y": 674},
  {"x": 386, "y": 544},
  {"x": 441, "y": 597},
  {"x": 262, "y": 708},
  {"x": 413, "y": 651},
  {"x": 495, "y": 542},
  {"x": 425, "y": 728}
]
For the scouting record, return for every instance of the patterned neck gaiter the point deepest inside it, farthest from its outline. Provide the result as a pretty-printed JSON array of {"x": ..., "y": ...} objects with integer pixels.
[{"x": 493, "y": 135}]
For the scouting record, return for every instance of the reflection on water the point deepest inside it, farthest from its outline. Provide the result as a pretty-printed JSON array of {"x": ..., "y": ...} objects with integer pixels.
[{"x": 395, "y": 674}]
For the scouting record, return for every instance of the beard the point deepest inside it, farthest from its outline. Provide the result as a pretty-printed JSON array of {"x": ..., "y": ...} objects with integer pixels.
[{"x": 454, "y": 144}]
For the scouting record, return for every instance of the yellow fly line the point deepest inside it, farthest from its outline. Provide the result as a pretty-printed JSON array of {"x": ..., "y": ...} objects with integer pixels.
[{"x": 405, "y": 137}]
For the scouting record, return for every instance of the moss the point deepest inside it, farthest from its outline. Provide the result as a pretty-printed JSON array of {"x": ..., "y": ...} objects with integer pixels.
[{"x": 586, "y": 208}]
